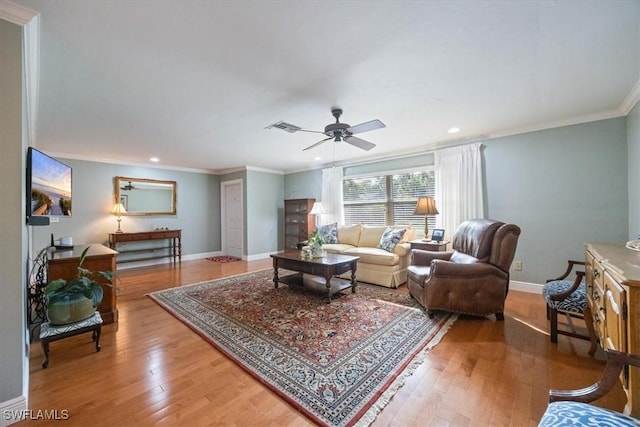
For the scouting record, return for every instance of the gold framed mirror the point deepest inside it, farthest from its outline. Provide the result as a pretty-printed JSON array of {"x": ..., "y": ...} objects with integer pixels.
[{"x": 142, "y": 196}]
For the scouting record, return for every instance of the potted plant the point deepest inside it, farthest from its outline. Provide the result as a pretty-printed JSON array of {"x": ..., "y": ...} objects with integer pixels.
[
  {"x": 315, "y": 244},
  {"x": 69, "y": 301}
]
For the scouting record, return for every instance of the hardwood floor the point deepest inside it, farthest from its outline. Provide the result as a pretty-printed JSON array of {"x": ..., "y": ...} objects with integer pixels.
[{"x": 154, "y": 370}]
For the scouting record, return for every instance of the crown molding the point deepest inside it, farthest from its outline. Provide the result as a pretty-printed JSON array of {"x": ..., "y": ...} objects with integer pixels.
[
  {"x": 15, "y": 13},
  {"x": 632, "y": 99}
]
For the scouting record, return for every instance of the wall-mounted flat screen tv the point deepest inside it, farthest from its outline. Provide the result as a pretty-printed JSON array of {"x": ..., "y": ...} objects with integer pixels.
[{"x": 48, "y": 185}]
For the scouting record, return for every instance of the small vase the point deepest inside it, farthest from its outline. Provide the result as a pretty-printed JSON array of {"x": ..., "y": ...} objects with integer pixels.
[
  {"x": 70, "y": 311},
  {"x": 316, "y": 250}
]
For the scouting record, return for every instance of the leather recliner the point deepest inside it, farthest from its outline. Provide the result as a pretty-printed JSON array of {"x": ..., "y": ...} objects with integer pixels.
[{"x": 473, "y": 278}]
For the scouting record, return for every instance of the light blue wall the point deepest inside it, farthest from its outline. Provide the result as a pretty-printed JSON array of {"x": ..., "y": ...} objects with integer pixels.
[
  {"x": 265, "y": 195},
  {"x": 303, "y": 185},
  {"x": 13, "y": 359},
  {"x": 197, "y": 203},
  {"x": 562, "y": 186},
  {"x": 633, "y": 147}
]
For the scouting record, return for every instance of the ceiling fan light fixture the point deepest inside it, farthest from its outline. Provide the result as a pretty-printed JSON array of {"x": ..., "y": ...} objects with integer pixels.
[{"x": 288, "y": 127}]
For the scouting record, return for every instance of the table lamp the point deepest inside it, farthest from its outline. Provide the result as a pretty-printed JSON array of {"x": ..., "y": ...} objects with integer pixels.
[
  {"x": 118, "y": 209},
  {"x": 317, "y": 209},
  {"x": 426, "y": 206}
]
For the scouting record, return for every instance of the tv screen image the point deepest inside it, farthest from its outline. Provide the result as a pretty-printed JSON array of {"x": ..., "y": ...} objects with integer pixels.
[{"x": 48, "y": 185}]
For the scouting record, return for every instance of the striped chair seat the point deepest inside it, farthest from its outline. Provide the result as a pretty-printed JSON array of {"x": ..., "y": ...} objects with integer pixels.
[
  {"x": 576, "y": 302},
  {"x": 561, "y": 414}
]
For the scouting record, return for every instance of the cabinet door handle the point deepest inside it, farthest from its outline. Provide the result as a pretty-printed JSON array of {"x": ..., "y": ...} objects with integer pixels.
[{"x": 596, "y": 273}]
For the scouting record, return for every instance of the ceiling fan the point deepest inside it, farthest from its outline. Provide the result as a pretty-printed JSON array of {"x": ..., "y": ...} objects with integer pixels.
[
  {"x": 338, "y": 131},
  {"x": 128, "y": 187}
]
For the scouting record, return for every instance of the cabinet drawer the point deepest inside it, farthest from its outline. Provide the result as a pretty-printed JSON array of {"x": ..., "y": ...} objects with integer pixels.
[
  {"x": 597, "y": 273},
  {"x": 588, "y": 273},
  {"x": 599, "y": 323},
  {"x": 615, "y": 310}
]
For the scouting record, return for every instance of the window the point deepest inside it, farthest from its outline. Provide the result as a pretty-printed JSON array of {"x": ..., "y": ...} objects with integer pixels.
[{"x": 387, "y": 199}]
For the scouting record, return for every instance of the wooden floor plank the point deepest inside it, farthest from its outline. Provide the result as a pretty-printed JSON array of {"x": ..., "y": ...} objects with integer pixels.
[{"x": 155, "y": 370}]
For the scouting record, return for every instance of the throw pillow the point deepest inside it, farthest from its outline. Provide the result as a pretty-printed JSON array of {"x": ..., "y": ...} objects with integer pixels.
[
  {"x": 390, "y": 238},
  {"x": 329, "y": 233}
]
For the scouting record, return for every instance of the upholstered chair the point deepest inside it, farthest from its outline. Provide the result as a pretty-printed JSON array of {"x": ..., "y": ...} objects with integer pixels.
[
  {"x": 473, "y": 278},
  {"x": 568, "y": 296},
  {"x": 573, "y": 408}
]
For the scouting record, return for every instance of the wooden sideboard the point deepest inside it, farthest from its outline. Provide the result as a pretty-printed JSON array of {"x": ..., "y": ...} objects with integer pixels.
[
  {"x": 613, "y": 290},
  {"x": 169, "y": 245},
  {"x": 298, "y": 222},
  {"x": 63, "y": 264}
]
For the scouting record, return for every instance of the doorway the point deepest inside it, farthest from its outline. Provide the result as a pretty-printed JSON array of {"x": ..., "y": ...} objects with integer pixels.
[{"x": 232, "y": 218}]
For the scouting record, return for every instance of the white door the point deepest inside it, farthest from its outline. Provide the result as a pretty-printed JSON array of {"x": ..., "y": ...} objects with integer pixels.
[{"x": 232, "y": 218}]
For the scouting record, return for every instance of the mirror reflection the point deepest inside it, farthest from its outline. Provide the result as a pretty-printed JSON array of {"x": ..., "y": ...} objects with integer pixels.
[{"x": 141, "y": 196}]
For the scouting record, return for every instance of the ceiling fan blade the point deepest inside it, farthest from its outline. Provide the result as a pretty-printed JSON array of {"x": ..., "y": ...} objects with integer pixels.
[
  {"x": 317, "y": 143},
  {"x": 367, "y": 126},
  {"x": 359, "y": 142},
  {"x": 311, "y": 131}
]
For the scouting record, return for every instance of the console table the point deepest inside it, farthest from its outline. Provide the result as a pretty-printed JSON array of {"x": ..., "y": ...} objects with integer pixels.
[
  {"x": 169, "y": 245},
  {"x": 63, "y": 264}
]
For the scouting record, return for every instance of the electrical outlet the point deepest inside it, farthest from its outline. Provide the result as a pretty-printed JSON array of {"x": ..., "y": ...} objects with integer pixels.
[{"x": 517, "y": 265}]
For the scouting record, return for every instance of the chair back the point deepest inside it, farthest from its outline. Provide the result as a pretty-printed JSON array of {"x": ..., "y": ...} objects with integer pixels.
[
  {"x": 487, "y": 240},
  {"x": 474, "y": 237}
]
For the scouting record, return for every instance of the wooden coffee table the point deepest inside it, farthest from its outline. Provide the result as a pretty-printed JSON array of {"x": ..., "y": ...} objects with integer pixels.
[{"x": 326, "y": 267}]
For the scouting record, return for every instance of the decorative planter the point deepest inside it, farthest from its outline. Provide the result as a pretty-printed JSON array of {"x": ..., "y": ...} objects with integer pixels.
[
  {"x": 72, "y": 310},
  {"x": 315, "y": 251}
]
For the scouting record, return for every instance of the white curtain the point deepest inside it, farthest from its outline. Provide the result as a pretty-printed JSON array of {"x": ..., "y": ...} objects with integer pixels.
[
  {"x": 332, "y": 196},
  {"x": 31, "y": 49},
  {"x": 459, "y": 194}
]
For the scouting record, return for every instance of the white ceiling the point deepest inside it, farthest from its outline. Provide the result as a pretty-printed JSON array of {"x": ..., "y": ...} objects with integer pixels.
[{"x": 195, "y": 83}]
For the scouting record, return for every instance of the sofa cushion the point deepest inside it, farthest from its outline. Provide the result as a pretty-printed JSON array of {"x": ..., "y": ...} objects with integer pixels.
[
  {"x": 390, "y": 238},
  {"x": 370, "y": 236},
  {"x": 349, "y": 234},
  {"x": 329, "y": 233},
  {"x": 336, "y": 248},
  {"x": 370, "y": 255}
]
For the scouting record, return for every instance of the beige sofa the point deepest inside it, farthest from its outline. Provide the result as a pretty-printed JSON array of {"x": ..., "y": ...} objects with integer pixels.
[{"x": 375, "y": 265}]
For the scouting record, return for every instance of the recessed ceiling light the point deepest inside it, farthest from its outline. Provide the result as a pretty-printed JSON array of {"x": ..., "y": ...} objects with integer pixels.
[
  {"x": 317, "y": 158},
  {"x": 454, "y": 130},
  {"x": 154, "y": 159}
]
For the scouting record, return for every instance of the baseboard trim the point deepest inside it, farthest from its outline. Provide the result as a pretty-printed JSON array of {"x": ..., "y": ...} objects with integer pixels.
[
  {"x": 532, "y": 288},
  {"x": 13, "y": 410},
  {"x": 258, "y": 256}
]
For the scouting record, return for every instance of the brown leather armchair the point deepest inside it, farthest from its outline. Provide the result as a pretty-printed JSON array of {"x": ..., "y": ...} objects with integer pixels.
[{"x": 473, "y": 278}]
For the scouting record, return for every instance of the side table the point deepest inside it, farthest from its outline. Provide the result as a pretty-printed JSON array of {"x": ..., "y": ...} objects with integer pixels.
[
  {"x": 429, "y": 246},
  {"x": 49, "y": 333}
]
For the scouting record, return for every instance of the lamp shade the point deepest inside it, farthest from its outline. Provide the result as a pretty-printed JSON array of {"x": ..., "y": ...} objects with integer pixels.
[
  {"x": 426, "y": 206},
  {"x": 118, "y": 209},
  {"x": 317, "y": 209}
]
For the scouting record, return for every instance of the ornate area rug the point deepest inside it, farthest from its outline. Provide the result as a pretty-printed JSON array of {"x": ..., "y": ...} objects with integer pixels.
[
  {"x": 222, "y": 258},
  {"x": 337, "y": 363}
]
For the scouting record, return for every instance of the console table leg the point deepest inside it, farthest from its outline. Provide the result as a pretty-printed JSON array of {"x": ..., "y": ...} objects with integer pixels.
[
  {"x": 45, "y": 349},
  {"x": 96, "y": 337}
]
